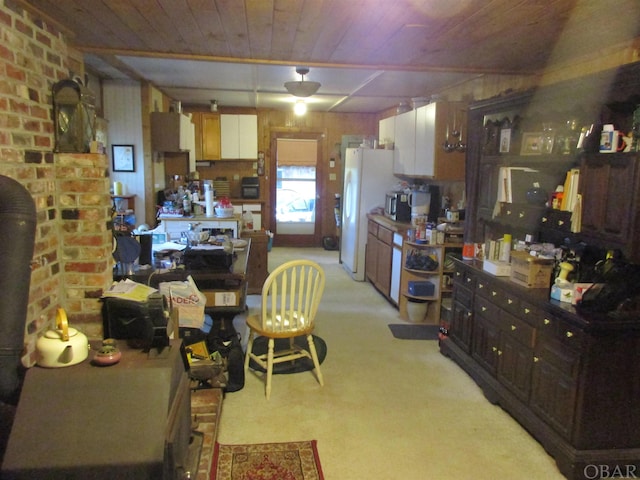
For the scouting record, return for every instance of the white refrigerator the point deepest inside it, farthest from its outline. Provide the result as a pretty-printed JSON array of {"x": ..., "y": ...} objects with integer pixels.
[{"x": 368, "y": 175}]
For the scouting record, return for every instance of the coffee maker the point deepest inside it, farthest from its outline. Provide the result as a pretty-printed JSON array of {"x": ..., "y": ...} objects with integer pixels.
[{"x": 425, "y": 202}]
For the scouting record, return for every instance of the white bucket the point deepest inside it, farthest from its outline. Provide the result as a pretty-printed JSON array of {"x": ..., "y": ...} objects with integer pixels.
[{"x": 417, "y": 311}]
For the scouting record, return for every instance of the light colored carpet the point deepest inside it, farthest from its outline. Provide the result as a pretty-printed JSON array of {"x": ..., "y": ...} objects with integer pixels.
[{"x": 390, "y": 409}]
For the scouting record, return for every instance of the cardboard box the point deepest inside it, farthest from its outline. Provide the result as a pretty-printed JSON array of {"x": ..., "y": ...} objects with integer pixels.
[
  {"x": 497, "y": 268},
  {"x": 562, "y": 294},
  {"x": 570, "y": 295},
  {"x": 529, "y": 271},
  {"x": 222, "y": 298}
]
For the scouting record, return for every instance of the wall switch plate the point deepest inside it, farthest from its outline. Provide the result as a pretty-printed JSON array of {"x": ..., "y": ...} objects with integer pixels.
[{"x": 332, "y": 177}]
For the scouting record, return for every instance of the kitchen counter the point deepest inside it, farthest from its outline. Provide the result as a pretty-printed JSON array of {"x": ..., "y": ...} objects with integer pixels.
[
  {"x": 399, "y": 227},
  {"x": 174, "y": 226}
]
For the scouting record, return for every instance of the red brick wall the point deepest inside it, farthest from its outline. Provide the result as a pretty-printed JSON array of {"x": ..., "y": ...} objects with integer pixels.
[{"x": 72, "y": 261}]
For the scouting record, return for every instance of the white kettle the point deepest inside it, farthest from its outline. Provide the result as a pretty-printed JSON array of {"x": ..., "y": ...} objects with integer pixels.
[{"x": 62, "y": 347}]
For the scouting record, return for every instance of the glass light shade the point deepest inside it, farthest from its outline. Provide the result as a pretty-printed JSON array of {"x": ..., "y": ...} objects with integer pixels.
[{"x": 302, "y": 88}]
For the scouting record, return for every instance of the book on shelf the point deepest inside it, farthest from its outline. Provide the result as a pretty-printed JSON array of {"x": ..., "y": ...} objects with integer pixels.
[{"x": 571, "y": 188}]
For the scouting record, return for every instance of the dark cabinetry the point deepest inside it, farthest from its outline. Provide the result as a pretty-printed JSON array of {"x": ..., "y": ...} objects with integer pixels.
[
  {"x": 609, "y": 184},
  {"x": 500, "y": 180},
  {"x": 462, "y": 309},
  {"x": 570, "y": 381}
]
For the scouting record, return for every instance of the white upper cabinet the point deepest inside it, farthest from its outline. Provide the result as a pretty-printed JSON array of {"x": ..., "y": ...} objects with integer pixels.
[
  {"x": 386, "y": 130},
  {"x": 419, "y": 138},
  {"x": 426, "y": 140},
  {"x": 404, "y": 153},
  {"x": 239, "y": 136}
]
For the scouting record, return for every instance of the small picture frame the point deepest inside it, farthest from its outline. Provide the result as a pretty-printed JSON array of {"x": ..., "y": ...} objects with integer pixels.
[
  {"x": 122, "y": 158},
  {"x": 532, "y": 143},
  {"x": 505, "y": 140}
]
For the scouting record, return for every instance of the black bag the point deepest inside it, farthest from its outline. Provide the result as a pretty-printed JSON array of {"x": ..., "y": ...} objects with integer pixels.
[{"x": 226, "y": 341}]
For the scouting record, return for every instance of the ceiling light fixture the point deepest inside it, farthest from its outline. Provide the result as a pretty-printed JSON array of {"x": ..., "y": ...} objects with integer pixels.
[
  {"x": 302, "y": 88},
  {"x": 300, "y": 108}
]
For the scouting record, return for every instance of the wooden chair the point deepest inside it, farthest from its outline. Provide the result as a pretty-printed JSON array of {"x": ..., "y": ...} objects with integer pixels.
[{"x": 290, "y": 298}]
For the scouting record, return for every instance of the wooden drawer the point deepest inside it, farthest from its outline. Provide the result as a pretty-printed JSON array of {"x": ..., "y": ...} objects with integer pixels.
[
  {"x": 486, "y": 308},
  {"x": 372, "y": 228},
  {"x": 508, "y": 301},
  {"x": 385, "y": 235},
  {"x": 530, "y": 313},
  {"x": 463, "y": 295},
  {"x": 569, "y": 334},
  {"x": 518, "y": 329},
  {"x": 464, "y": 277},
  {"x": 551, "y": 326},
  {"x": 484, "y": 288}
]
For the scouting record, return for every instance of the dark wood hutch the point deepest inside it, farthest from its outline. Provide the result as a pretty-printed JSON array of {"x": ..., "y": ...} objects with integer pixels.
[{"x": 572, "y": 380}]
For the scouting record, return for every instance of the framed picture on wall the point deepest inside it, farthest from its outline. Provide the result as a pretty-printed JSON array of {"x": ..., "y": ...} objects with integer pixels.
[{"x": 122, "y": 158}]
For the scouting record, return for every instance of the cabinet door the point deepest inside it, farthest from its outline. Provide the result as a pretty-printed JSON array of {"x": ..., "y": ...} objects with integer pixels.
[
  {"x": 383, "y": 274},
  {"x": 248, "y": 136},
  {"x": 386, "y": 130},
  {"x": 426, "y": 141},
  {"x": 553, "y": 396},
  {"x": 210, "y": 136},
  {"x": 371, "y": 258},
  {"x": 404, "y": 152},
  {"x": 229, "y": 136},
  {"x": 607, "y": 187},
  {"x": 514, "y": 366},
  {"x": 486, "y": 338},
  {"x": 461, "y": 325}
]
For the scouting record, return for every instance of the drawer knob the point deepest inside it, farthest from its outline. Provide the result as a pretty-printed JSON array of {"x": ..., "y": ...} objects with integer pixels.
[
  {"x": 495, "y": 349},
  {"x": 527, "y": 311},
  {"x": 509, "y": 301},
  {"x": 457, "y": 274},
  {"x": 560, "y": 223},
  {"x": 546, "y": 321},
  {"x": 480, "y": 285},
  {"x": 569, "y": 334},
  {"x": 484, "y": 309},
  {"x": 544, "y": 219},
  {"x": 468, "y": 314},
  {"x": 513, "y": 328},
  {"x": 536, "y": 359},
  {"x": 521, "y": 215},
  {"x": 468, "y": 280},
  {"x": 494, "y": 293},
  {"x": 499, "y": 352}
]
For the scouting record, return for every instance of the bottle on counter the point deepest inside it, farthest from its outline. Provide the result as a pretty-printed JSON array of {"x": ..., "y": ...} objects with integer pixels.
[
  {"x": 186, "y": 204},
  {"x": 247, "y": 220}
]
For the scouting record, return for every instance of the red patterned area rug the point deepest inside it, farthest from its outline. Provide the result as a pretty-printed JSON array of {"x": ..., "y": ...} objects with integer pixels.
[{"x": 267, "y": 461}]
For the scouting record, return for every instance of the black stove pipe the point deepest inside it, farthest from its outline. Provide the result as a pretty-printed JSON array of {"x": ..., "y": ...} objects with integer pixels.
[{"x": 17, "y": 238}]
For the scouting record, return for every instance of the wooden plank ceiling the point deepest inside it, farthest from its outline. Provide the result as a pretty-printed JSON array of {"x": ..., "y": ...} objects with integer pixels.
[{"x": 424, "y": 42}]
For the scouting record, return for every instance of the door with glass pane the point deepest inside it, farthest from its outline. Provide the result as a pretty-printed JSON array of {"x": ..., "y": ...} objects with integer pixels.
[{"x": 296, "y": 191}]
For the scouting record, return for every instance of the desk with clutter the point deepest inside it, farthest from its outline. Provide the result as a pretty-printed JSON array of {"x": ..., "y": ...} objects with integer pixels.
[{"x": 195, "y": 290}]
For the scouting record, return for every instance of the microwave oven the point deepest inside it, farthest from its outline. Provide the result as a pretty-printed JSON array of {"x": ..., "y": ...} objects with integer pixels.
[{"x": 396, "y": 206}]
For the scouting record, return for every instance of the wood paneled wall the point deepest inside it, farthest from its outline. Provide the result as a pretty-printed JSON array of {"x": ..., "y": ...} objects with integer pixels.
[{"x": 331, "y": 126}]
